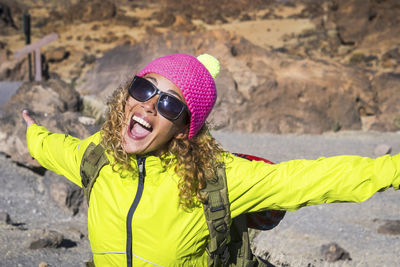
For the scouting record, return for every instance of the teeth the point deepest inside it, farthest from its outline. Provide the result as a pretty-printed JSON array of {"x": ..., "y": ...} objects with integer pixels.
[{"x": 141, "y": 121}]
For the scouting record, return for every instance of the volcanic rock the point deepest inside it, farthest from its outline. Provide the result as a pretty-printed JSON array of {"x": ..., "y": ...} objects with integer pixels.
[
  {"x": 55, "y": 104},
  {"x": 391, "y": 58},
  {"x": 6, "y": 18},
  {"x": 387, "y": 89},
  {"x": 333, "y": 252},
  {"x": 14, "y": 70},
  {"x": 46, "y": 239},
  {"x": 5, "y": 218},
  {"x": 258, "y": 90},
  {"x": 87, "y": 11},
  {"x": 294, "y": 88},
  {"x": 356, "y": 19},
  {"x": 57, "y": 55},
  {"x": 382, "y": 149},
  {"x": 390, "y": 227},
  {"x": 68, "y": 196}
]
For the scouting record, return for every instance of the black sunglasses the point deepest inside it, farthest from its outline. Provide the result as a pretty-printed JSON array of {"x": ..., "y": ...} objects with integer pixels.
[{"x": 168, "y": 105}]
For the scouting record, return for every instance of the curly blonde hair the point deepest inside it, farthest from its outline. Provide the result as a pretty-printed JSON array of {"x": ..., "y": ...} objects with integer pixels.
[
  {"x": 195, "y": 159},
  {"x": 112, "y": 128}
]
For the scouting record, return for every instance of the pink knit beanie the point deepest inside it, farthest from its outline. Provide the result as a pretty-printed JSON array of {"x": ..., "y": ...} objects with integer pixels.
[{"x": 195, "y": 78}]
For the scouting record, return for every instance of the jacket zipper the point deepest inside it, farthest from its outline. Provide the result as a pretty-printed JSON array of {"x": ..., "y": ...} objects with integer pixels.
[{"x": 142, "y": 173}]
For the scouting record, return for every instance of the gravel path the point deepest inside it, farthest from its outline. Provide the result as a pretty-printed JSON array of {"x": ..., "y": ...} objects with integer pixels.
[
  {"x": 23, "y": 195},
  {"x": 295, "y": 242}
]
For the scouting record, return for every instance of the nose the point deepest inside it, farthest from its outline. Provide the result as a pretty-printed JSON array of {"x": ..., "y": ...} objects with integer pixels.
[{"x": 150, "y": 105}]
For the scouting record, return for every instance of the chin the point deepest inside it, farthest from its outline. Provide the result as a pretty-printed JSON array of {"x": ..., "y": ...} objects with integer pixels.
[
  {"x": 134, "y": 147},
  {"x": 131, "y": 148}
]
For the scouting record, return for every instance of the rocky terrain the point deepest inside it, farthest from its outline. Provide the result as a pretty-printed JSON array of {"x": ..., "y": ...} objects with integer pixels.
[{"x": 287, "y": 67}]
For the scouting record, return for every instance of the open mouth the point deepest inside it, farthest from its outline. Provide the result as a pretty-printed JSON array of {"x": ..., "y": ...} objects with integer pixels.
[{"x": 139, "y": 128}]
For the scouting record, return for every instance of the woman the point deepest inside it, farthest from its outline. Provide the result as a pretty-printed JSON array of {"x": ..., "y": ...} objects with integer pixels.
[{"x": 145, "y": 207}]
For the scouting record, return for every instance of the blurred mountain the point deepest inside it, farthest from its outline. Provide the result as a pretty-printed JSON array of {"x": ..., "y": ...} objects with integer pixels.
[{"x": 304, "y": 66}]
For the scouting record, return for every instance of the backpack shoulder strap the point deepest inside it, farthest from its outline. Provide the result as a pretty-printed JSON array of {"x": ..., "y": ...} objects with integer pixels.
[
  {"x": 93, "y": 160},
  {"x": 229, "y": 243},
  {"x": 217, "y": 213}
]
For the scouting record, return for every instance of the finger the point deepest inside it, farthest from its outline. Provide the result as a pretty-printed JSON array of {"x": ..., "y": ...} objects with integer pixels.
[{"x": 28, "y": 119}]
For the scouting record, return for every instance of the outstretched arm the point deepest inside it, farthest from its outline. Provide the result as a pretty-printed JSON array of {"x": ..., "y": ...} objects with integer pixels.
[
  {"x": 294, "y": 184},
  {"x": 60, "y": 153}
]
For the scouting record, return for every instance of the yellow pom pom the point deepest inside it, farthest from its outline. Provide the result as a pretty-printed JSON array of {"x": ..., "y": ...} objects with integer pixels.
[{"x": 211, "y": 64}]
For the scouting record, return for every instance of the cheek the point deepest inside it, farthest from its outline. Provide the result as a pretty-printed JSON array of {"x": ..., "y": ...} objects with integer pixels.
[
  {"x": 168, "y": 128},
  {"x": 166, "y": 125},
  {"x": 130, "y": 104}
]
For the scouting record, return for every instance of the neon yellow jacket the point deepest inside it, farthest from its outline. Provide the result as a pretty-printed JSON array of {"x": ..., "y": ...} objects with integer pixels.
[{"x": 163, "y": 234}]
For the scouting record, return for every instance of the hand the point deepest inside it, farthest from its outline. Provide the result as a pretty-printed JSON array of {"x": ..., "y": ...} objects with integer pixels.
[{"x": 29, "y": 121}]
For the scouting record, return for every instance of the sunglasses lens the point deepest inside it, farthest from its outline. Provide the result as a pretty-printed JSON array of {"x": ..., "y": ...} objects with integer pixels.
[
  {"x": 141, "y": 89},
  {"x": 170, "y": 107}
]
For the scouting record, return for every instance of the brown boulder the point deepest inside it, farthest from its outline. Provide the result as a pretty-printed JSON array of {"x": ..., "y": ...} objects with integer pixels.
[
  {"x": 356, "y": 19},
  {"x": 47, "y": 239},
  {"x": 390, "y": 227},
  {"x": 68, "y": 196},
  {"x": 387, "y": 88},
  {"x": 332, "y": 252},
  {"x": 54, "y": 103},
  {"x": 14, "y": 69},
  {"x": 305, "y": 96},
  {"x": 57, "y": 55},
  {"x": 352, "y": 19},
  {"x": 8, "y": 11},
  {"x": 120, "y": 64}
]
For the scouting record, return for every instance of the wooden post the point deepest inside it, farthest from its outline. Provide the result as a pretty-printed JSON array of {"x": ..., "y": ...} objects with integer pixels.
[
  {"x": 38, "y": 65},
  {"x": 26, "y": 18},
  {"x": 35, "y": 47}
]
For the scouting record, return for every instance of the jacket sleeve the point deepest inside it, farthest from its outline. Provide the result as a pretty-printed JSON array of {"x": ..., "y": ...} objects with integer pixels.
[
  {"x": 255, "y": 185},
  {"x": 60, "y": 153}
]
